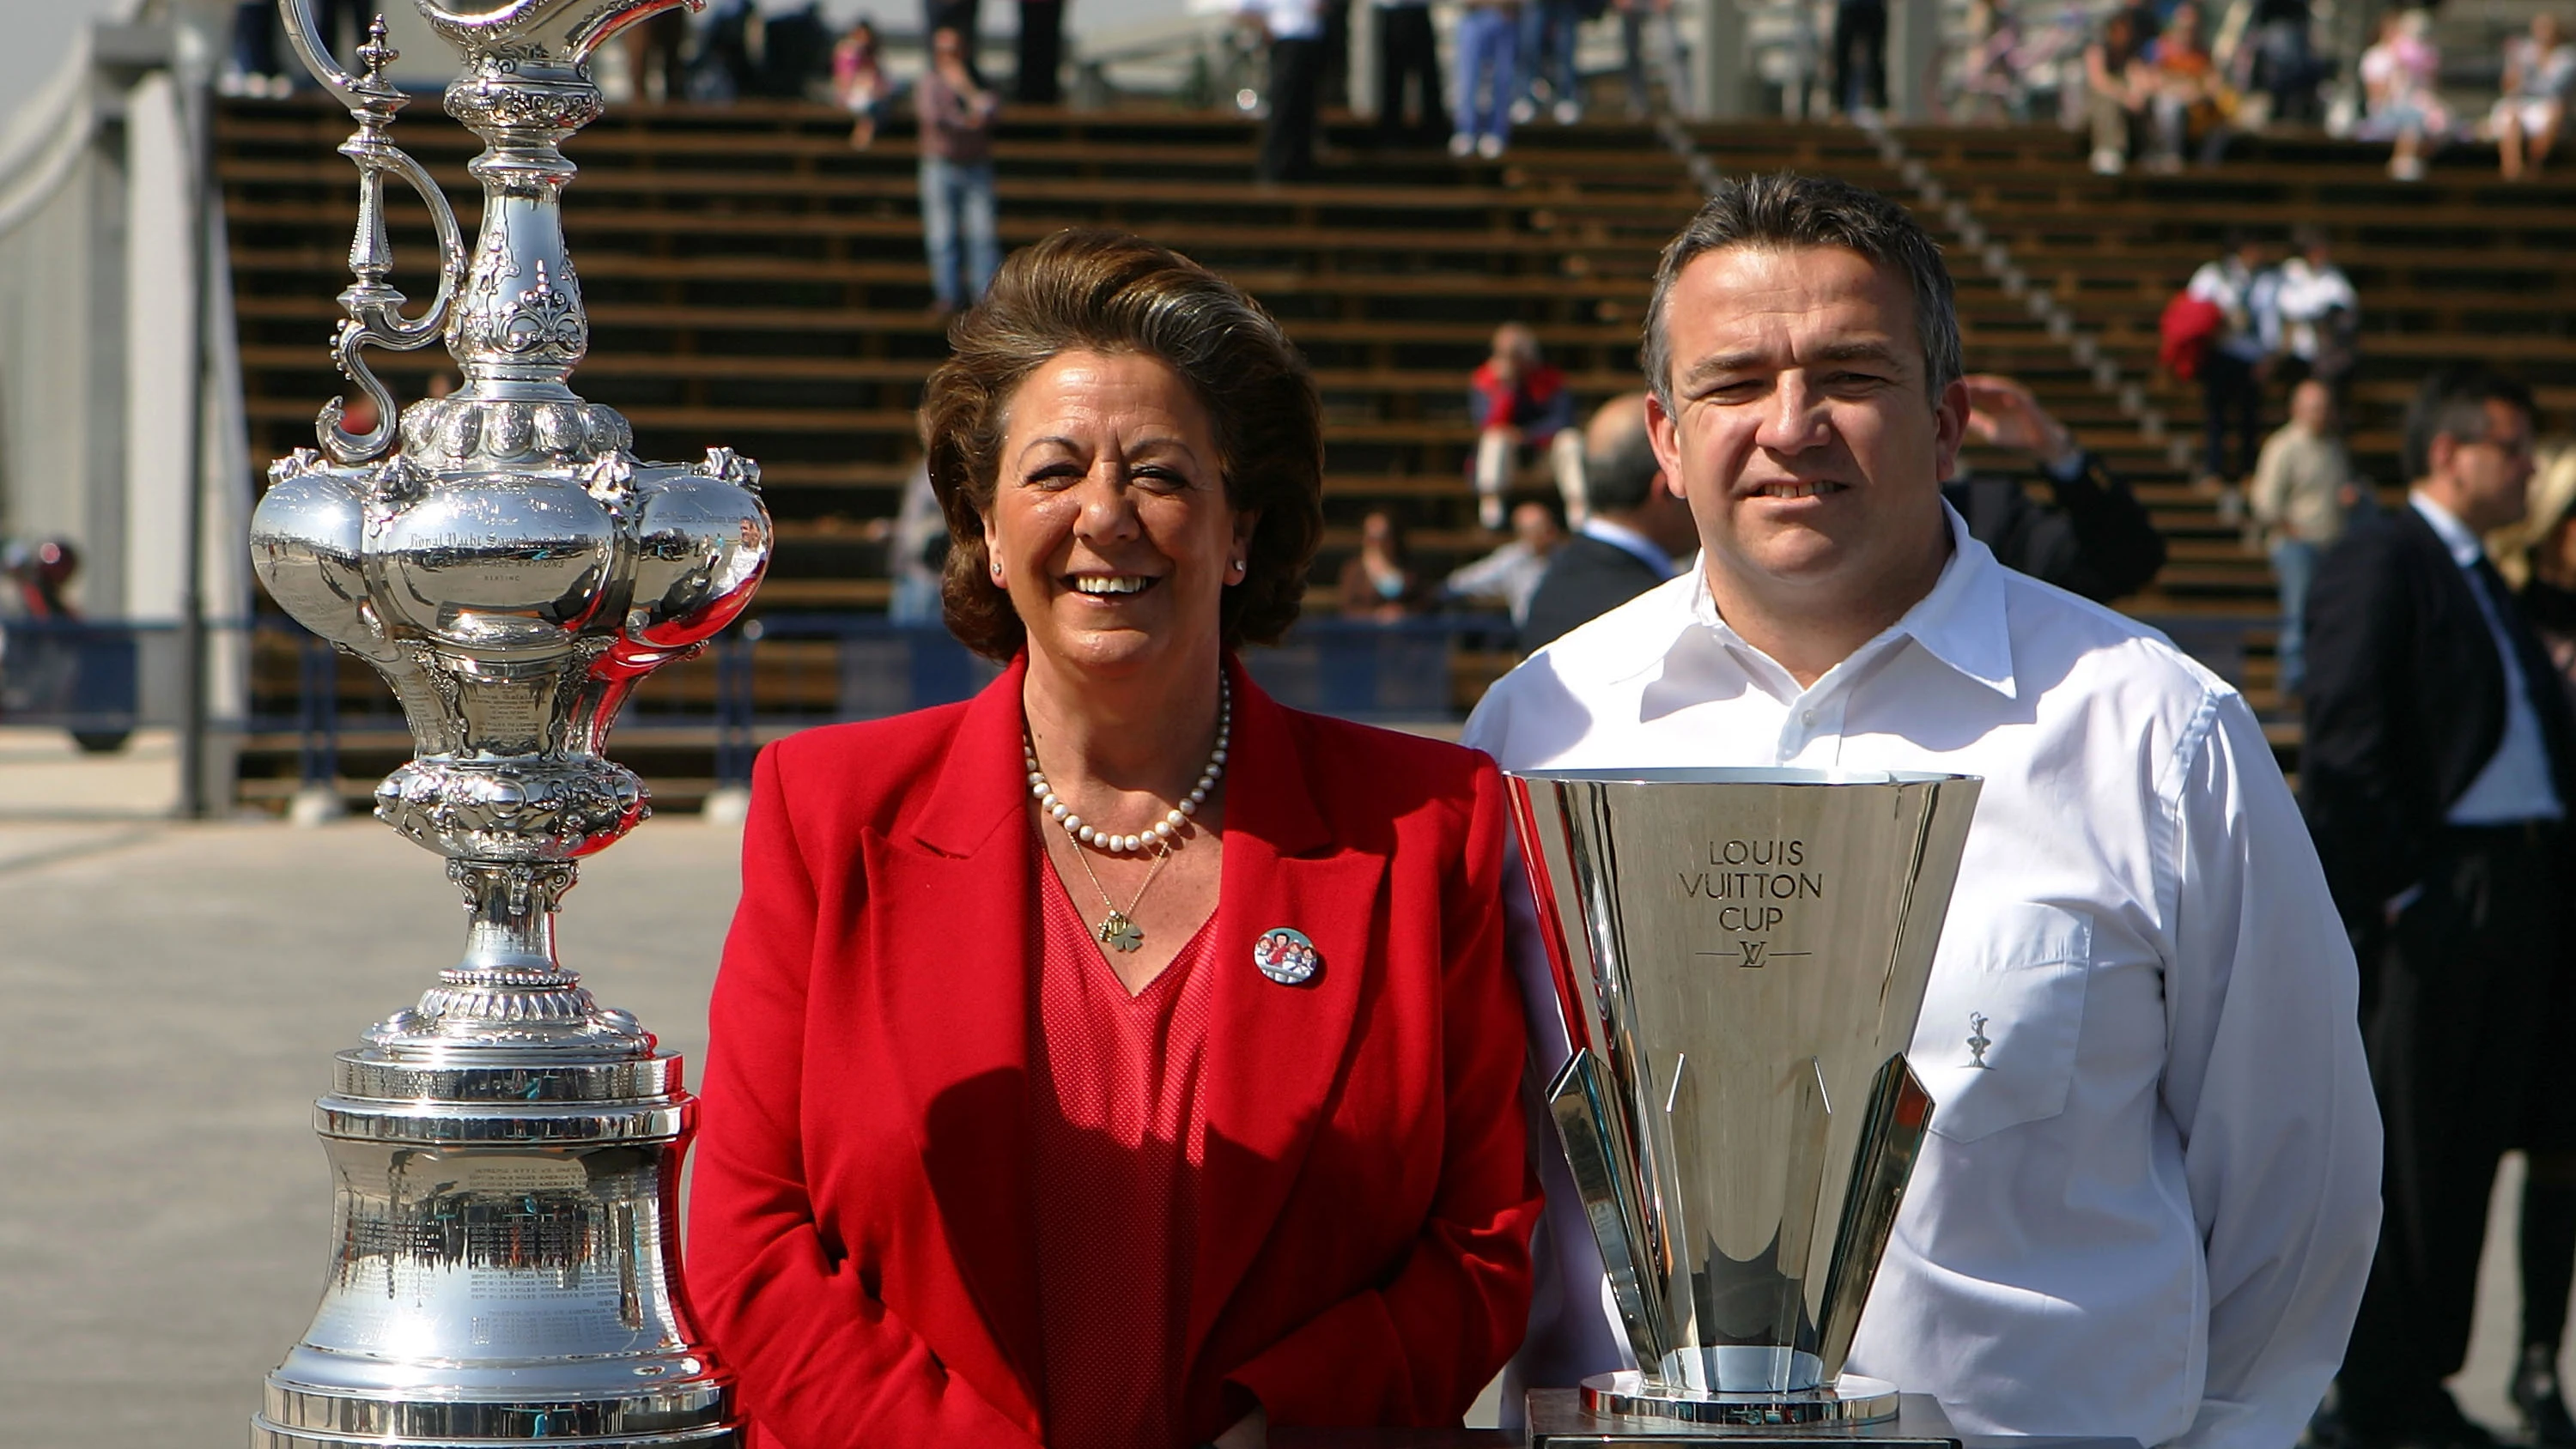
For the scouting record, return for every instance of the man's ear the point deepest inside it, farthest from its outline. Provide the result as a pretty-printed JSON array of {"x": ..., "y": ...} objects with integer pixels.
[
  {"x": 1950, "y": 427},
  {"x": 1665, "y": 437},
  {"x": 2439, "y": 453}
]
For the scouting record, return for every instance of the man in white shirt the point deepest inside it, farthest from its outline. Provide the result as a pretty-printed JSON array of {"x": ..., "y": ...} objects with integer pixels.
[
  {"x": 2439, "y": 762},
  {"x": 2147, "y": 1213}
]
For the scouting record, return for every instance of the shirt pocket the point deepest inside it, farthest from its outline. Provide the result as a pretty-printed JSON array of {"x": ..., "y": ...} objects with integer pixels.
[{"x": 1995, "y": 1045}]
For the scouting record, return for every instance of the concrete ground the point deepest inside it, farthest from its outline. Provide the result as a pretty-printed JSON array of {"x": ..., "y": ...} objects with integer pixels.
[{"x": 172, "y": 996}]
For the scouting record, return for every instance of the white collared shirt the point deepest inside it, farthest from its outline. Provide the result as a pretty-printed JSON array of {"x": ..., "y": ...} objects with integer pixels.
[
  {"x": 2152, "y": 1215},
  {"x": 2514, "y": 783}
]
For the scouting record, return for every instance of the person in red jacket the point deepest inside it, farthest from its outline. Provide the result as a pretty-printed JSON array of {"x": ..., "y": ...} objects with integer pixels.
[{"x": 1117, "y": 1060}]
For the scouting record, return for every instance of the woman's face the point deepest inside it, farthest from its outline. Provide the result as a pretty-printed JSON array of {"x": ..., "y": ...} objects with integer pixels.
[{"x": 1110, "y": 526}]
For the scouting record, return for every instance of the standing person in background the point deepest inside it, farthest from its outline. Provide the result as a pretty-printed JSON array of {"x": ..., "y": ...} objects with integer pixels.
[
  {"x": 2440, "y": 755},
  {"x": 1640, "y": 532},
  {"x": 2116, "y": 90},
  {"x": 2320, "y": 318},
  {"x": 956, "y": 173},
  {"x": 2540, "y": 557},
  {"x": 1520, "y": 406},
  {"x": 1036, "y": 80},
  {"x": 2233, "y": 368},
  {"x": 1378, "y": 581},
  {"x": 1860, "y": 56},
  {"x": 2304, "y": 486},
  {"x": 1489, "y": 40},
  {"x": 1295, "y": 31},
  {"x": 1547, "y": 78},
  {"x": 2538, "y": 70},
  {"x": 2285, "y": 59},
  {"x": 2098, "y": 541},
  {"x": 1408, "y": 50},
  {"x": 1511, "y": 573},
  {"x": 654, "y": 50},
  {"x": 1637, "y": 18}
]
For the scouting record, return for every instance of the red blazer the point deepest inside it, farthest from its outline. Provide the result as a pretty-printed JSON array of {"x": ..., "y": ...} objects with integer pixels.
[{"x": 861, "y": 1241}]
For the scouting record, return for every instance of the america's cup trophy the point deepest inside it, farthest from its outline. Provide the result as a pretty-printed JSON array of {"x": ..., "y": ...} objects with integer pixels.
[
  {"x": 507, "y": 1151},
  {"x": 1739, "y": 957}
]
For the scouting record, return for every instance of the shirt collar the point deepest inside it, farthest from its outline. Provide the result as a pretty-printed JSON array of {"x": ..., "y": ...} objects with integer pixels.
[
  {"x": 1961, "y": 622},
  {"x": 2464, "y": 546},
  {"x": 1630, "y": 541}
]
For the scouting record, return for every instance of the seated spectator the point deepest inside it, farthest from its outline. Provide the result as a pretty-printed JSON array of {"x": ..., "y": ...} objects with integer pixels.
[
  {"x": 2185, "y": 95},
  {"x": 1990, "y": 88},
  {"x": 2320, "y": 318},
  {"x": 1521, "y": 408},
  {"x": 2097, "y": 541},
  {"x": 2117, "y": 87},
  {"x": 1378, "y": 581},
  {"x": 859, "y": 82},
  {"x": 1510, "y": 574},
  {"x": 1640, "y": 532},
  {"x": 2304, "y": 488},
  {"x": 2398, "y": 79},
  {"x": 2538, "y": 69}
]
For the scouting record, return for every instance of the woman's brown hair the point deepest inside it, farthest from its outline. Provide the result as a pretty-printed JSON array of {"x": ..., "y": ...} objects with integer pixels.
[{"x": 1105, "y": 291}]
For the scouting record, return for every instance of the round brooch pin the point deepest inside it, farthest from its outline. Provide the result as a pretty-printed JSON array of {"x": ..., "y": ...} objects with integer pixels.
[{"x": 1286, "y": 956}]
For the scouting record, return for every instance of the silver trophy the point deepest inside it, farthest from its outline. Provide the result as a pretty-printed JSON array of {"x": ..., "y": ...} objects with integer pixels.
[
  {"x": 1739, "y": 956},
  {"x": 507, "y": 1151}
]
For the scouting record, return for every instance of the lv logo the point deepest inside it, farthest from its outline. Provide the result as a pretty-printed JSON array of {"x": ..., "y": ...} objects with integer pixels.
[{"x": 1753, "y": 951}]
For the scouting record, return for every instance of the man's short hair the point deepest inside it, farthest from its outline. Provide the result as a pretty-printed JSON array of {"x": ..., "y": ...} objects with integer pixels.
[
  {"x": 1620, "y": 477},
  {"x": 2453, "y": 401},
  {"x": 1780, "y": 210}
]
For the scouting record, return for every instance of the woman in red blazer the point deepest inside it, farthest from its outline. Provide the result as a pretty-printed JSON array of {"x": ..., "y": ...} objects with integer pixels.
[{"x": 1118, "y": 1059}]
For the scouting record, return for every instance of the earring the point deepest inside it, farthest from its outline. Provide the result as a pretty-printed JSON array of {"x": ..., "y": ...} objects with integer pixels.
[
  {"x": 997, "y": 574},
  {"x": 1238, "y": 568}
]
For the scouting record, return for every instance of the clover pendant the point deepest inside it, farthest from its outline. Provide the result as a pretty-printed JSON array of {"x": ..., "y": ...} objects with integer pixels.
[{"x": 1120, "y": 934}]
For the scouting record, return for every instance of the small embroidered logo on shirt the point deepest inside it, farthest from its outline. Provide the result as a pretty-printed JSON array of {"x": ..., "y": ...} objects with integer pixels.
[
  {"x": 1978, "y": 1042},
  {"x": 1286, "y": 956}
]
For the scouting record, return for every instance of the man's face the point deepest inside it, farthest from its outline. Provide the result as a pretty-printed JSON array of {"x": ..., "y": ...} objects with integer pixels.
[
  {"x": 2311, "y": 406},
  {"x": 2491, "y": 478},
  {"x": 1803, "y": 437}
]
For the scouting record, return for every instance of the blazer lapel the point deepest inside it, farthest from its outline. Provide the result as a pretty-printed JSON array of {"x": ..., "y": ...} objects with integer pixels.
[
  {"x": 955, "y": 906},
  {"x": 1274, "y": 1052}
]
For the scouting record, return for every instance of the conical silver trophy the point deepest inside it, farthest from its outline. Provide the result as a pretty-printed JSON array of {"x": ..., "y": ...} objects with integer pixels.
[
  {"x": 507, "y": 1151},
  {"x": 1739, "y": 957}
]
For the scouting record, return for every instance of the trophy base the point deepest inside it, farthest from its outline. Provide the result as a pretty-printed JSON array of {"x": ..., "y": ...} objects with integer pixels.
[{"x": 1623, "y": 1408}]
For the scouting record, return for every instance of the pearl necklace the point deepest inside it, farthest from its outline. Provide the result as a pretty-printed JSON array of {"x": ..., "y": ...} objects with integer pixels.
[{"x": 1160, "y": 836}]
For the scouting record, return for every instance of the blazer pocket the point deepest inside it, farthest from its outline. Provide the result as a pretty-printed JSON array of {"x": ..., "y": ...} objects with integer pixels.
[{"x": 1995, "y": 1045}]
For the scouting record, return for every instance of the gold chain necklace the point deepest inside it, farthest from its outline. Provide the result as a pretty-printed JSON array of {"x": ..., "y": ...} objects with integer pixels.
[{"x": 1119, "y": 931}]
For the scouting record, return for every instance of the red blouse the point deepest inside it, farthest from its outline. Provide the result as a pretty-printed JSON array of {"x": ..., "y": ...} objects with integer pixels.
[{"x": 1119, "y": 1139}]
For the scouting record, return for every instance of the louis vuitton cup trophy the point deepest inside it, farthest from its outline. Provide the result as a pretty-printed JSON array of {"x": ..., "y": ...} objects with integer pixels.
[
  {"x": 507, "y": 1151},
  {"x": 1739, "y": 957}
]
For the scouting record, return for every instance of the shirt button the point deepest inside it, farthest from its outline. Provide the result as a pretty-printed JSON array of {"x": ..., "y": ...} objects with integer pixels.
[{"x": 1808, "y": 718}]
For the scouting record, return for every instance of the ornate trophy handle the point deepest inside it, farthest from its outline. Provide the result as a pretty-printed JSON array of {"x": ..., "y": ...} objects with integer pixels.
[{"x": 375, "y": 308}]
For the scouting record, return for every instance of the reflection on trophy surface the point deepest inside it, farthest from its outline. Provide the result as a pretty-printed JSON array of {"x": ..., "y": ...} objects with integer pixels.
[
  {"x": 506, "y": 1152},
  {"x": 1739, "y": 957}
]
